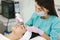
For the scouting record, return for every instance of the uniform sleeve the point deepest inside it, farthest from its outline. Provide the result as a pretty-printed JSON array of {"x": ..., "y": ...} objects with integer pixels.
[
  {"x": 30, "y": 21},
  {"x": 55, "y": 31}
]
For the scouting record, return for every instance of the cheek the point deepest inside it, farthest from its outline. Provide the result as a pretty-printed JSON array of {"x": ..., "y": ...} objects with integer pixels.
[
  {"x": 17, "y": 31},
  {"x": 13, "y": 29},
  {"x": 36, "y": 9}
]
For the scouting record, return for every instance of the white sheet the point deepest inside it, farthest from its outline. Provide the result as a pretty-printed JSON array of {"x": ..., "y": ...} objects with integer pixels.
[
  {"x": 3, "y": 37},
  {"x": 26, "y": 36}
]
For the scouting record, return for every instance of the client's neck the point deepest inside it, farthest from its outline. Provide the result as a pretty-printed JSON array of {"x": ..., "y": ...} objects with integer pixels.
[{"x": 13, "y": 36}]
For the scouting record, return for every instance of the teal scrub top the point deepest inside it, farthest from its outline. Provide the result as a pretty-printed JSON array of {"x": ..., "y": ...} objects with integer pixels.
[{"x": 51, "y": 25}]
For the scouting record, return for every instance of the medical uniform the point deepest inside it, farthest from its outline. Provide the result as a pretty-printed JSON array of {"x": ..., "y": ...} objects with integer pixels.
[{"x": 51, "y": 25}]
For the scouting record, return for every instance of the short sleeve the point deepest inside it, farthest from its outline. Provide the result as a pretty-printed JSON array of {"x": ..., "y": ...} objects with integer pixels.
[
  {"x": 30, "y": 21},
  {"x": 55, "y": 31}
]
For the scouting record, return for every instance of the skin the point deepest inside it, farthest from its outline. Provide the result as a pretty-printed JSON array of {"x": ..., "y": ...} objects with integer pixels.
[
  {"x": 17, "y": 32},
  {"x": 39, "y": 9}
]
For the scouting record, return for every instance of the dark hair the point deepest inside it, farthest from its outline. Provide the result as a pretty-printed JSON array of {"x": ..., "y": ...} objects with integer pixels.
[{"x": 48, "y": 4}]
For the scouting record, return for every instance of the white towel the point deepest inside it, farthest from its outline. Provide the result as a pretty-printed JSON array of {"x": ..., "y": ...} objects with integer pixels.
[
  {"x": 3, "y": 37},
  {"x": 26, "y": 36}
]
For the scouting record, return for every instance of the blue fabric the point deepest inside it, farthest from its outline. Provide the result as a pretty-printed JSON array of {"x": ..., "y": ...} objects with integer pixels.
[{"x": 51, "y": 25}]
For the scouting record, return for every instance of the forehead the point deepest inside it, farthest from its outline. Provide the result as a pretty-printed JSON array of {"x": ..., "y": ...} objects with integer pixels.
[{"x": 37, "y": 6}]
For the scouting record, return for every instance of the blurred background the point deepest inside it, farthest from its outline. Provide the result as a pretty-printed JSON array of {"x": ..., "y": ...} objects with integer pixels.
[{"x": 8, "y": 9}]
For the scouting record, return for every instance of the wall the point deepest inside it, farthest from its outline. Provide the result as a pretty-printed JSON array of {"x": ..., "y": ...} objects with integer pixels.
[
  {"x": 57, "y": 6},
  {"x": 27, "y": 8}
]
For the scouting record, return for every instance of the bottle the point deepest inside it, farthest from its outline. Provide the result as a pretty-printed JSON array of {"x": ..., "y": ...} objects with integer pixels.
[{"x": 19, "y": 19}]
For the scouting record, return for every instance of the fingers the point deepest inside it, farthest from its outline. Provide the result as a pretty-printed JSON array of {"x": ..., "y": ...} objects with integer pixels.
[{"x": 21, "y": 26}]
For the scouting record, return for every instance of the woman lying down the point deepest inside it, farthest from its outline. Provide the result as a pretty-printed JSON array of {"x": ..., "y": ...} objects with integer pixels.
[{"x": 20, "y": 33}]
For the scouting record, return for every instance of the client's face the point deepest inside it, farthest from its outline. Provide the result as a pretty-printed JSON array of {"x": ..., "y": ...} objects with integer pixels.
[{"x": 19, "y": 29}]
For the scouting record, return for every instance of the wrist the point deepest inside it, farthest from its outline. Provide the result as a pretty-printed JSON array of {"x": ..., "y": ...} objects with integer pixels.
[
  {"x": 35, "y": 29},
  {"x": 40, "y": 32}
]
